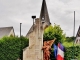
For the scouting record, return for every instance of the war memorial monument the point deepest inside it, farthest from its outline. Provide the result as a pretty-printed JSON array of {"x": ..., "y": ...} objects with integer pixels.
[{"x": 37, "y": 49}]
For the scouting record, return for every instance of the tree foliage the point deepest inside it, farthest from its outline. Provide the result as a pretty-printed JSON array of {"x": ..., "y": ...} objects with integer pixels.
[
  {"x": 70, "y": 39},
  {"x": 11, "y": 47},
  {"x": 54, "y": 32}
]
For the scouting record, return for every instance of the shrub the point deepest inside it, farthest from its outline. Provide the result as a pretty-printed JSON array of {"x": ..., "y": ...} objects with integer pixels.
[{"x": 11, "y": 47}]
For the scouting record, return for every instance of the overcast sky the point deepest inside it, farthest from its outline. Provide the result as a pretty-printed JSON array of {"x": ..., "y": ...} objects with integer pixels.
[{"x": 61, "y": 12}]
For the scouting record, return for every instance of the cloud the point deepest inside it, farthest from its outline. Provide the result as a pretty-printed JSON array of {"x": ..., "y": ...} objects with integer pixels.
[{"x": 61, "y": 12}]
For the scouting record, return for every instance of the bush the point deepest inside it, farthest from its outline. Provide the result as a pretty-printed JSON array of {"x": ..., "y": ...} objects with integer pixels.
[
  {"x": 72, "y": 52},
  {"x": 11, "y": 47},
  {"x": 54, "y": 32}
]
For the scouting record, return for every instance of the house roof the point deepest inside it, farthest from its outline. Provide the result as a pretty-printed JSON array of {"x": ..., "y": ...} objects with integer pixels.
[
  {"x": 78, "y": 32},
  {"x": 4, "y": 31}
]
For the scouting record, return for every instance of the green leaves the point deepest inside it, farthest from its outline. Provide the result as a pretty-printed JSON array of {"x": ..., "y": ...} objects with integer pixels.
[
  {"x": 54, "y": 32},
  {"x": 72, "y": 52},
  {"x": 11, "y": 47}
]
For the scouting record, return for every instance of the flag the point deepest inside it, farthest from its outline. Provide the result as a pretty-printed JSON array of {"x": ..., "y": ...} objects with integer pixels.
[
  {"x": 60, "y": 52},
  {"x": 55, "y": 50}
]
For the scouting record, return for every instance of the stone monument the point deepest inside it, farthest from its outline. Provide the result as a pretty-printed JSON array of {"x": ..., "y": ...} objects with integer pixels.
[{"x": 34, "y": 50}]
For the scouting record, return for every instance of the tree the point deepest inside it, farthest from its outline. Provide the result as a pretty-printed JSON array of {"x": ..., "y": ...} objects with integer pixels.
[
  {"x": 70, "y": 39},
  {"x": 54, "y": 32}
]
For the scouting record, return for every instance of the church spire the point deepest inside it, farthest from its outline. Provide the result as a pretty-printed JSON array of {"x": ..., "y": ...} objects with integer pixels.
[
  {"x": 43, "y": 16},
  {"x": 44, "y": 13}
]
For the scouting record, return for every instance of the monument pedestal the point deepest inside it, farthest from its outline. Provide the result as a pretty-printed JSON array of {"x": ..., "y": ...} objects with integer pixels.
[{"x": 34, "y": 51}]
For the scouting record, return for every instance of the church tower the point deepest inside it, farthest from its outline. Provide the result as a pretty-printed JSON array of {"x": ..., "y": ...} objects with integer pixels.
[
  {"x": 44, "y": 13},
  {"x": 34, "y": 50},
  {"x": 44, "y": 16}
]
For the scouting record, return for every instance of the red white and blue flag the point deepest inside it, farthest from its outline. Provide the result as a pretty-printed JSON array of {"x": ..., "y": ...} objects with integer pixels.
[
  {"x": 60, "y": 52},
  {"x": 55, "y": 50}
]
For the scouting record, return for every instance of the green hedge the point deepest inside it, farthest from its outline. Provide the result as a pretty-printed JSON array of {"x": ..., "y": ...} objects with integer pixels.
[
  {"x": 11, "y": 47},
  {"x": 70, "y": 53}
]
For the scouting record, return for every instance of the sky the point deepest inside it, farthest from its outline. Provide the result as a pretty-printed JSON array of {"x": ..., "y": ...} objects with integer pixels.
[{"x": 61, "y": 12}]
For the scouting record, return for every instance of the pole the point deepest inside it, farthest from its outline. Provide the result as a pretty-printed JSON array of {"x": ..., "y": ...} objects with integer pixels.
[
  {"x": 74, "y": 35},
  {"x": 74, "y": 26},
  {"x": 20, "y": 29},
  {"x": 21, "y": 43}
]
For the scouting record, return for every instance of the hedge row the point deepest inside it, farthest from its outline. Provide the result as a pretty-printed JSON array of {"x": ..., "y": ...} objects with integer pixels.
[
  {"x": 11, "y": 47},
  {"x": 70, "y": 53}
]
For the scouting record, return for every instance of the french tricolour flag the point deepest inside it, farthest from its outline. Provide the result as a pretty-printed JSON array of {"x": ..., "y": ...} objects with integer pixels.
[{"x": 60, "y": 52}]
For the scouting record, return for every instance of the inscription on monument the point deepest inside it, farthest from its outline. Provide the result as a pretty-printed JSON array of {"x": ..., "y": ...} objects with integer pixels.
[{"x": 37, "y": 49}]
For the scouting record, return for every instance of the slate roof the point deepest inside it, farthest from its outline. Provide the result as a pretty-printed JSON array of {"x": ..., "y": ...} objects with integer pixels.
[
  {"x": 4, "y": 31},
  {"x": 44, "y": 13},
  {"x": 77, "y": 40},
  {"x": 78, "y": 32}
]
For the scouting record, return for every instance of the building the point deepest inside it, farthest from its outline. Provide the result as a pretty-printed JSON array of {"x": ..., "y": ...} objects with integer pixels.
[
  {"x": 44, "y": 16},
  {"x": 77, "y": 41},
  {"x": 6, "y": 31}
]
